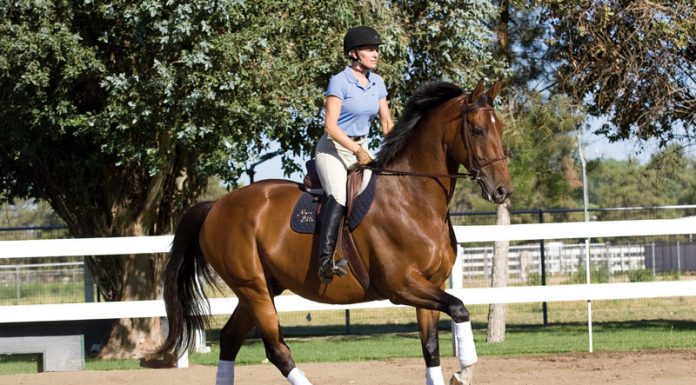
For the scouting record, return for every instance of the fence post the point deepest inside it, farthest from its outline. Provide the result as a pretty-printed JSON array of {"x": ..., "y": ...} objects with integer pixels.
[
  {"x": 653, "y": 260},
  {"x": 542, "y": 253},
  {"x": 678, "y": 258},
  {"x": 89, "y": 284},
  {"x": 182, "y": 362}
]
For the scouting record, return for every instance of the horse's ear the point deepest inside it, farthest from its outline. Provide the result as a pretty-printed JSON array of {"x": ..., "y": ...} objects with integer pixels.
[
  {"x": 476, "y": 92},
  {"x": 495, "y": 90}
]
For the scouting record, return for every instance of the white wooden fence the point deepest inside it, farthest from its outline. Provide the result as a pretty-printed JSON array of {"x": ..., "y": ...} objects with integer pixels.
[{"x": 464, "y": 234}]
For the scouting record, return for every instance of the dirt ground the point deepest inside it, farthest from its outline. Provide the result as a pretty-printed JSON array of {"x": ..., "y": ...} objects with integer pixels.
[{"x": 633, "y": 368}]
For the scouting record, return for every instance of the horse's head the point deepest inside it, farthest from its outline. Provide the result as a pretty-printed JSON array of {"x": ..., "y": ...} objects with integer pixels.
[{"x": 478, "y": 144}]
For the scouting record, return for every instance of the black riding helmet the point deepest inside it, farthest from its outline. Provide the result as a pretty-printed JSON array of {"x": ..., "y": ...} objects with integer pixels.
[{"x": 360, "y": 36}]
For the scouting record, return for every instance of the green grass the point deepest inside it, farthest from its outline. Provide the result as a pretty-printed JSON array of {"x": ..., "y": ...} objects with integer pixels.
[
  {"x": 623, "y": 336},
  {"x": 521, "y": 340},
  {"x": 38, "y": 293},
  {"x": 28, "y": 363}
]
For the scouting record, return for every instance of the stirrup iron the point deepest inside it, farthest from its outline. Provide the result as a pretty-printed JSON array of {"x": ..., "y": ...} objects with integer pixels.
[
  {"x": 327, "y": 272},
  {"x": 340, "y": 268}
]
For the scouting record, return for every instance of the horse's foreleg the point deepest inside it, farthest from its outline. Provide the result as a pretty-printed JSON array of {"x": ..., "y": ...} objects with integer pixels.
[
  {"x": 427, "y": 325},
  {"x": 420, "y": 292},
  {"x": 232, "y": 336},
  {"x": 259, "y": 302}
]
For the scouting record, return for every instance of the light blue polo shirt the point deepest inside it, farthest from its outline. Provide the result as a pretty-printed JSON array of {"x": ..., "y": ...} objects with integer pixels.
[{"x": 360, "y": 105}]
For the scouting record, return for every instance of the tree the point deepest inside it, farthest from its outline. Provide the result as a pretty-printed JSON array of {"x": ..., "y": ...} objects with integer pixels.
[
  {"x": 497, "y": 311},
  {"x": 632, "y": 62},
  {"x": 117, "y": 113},
  {"x": 668, "y": 179},
  {"x": 535, "y": 124}
]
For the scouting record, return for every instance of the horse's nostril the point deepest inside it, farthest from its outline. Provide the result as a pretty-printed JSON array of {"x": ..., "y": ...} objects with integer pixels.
[{"x": 501, "y": 191}]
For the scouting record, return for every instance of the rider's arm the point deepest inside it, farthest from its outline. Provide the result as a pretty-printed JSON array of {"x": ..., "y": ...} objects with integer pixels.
[
  {"x": 333, "y": 110},
  {"x": 385, "y": 119}
]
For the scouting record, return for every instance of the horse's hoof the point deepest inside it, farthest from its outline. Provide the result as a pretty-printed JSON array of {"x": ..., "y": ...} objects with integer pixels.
[{"x": 463, "y": 377}]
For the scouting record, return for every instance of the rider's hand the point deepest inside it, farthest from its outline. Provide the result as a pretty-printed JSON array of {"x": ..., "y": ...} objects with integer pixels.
[{"x": 363, "y": 157}]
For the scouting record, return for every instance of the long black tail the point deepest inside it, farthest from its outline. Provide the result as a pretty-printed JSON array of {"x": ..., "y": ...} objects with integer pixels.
[{"x": 183, "y": 293}]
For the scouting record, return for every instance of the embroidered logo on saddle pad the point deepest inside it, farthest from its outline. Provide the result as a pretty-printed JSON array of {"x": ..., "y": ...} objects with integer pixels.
[{"x": 304, "y": 217}]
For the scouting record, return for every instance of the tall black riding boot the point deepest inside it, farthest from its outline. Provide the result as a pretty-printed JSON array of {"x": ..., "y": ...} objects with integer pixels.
[{"x": 331, "y": 217}]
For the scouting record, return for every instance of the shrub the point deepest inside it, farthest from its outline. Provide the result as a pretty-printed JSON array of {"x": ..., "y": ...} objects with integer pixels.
[
  {"x": 534, "y": 279},
  {"x": 641, "y": 275}
]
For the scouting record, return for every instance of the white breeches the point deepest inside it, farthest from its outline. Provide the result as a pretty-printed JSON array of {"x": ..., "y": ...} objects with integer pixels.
[{"x": 333, "y": 163}]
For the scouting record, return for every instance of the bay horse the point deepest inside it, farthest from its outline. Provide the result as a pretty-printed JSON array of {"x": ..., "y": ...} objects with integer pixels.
[{"x": 405, "y": 240}]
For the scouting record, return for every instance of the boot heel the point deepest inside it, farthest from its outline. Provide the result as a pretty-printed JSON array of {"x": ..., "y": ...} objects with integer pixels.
[{"x": 341, "y": 267}]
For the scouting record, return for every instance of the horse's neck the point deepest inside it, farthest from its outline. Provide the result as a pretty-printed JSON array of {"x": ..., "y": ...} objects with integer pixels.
[{"x": 426, "y": 157}]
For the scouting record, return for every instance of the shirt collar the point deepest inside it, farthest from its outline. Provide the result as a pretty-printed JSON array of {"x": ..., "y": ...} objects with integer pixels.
[{"x": 352, "y": 79}]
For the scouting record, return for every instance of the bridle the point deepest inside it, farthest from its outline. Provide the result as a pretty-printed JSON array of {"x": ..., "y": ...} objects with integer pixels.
[{"x": 475, "y": 162}]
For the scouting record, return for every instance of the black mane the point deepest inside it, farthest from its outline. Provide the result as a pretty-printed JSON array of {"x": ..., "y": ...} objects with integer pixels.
[{"x": 426, "y": 97}]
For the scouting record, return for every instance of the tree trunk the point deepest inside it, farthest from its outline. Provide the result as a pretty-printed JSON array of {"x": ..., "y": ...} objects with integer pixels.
[
  {"x": 135, "y": 278},
  {"x": 496, "y": 312},
  {"x": 136, "y": 337}
]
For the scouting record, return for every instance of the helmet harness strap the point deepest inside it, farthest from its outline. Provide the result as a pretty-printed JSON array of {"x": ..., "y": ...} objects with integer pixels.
[{"x": 357, "y": 60}]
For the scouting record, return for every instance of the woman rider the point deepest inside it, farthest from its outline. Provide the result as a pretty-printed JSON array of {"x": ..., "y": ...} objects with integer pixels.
[{"x": 354, "y": 97}]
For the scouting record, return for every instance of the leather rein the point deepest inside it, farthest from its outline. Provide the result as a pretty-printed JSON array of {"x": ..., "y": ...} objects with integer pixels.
[{"x": 475, "y": 163}]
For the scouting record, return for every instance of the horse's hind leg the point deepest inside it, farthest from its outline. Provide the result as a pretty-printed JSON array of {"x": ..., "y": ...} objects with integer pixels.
[
  {"x": 234, "y": 333},
  {"x": 232, "y": 336},
  {"x": 427, "y": 325},
  {"x": 258, "y": 300}
]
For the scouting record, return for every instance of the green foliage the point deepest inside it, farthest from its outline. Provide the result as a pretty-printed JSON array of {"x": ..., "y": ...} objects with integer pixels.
[
  {"x": 671, "y": 275},
  {"x": 667, "y": 180},
  {"x": 136, "y": 104},
  {"x": 598, "y": 274},
  {"x": 640, "y": 275},
  {"x": 541, "y": 142}
]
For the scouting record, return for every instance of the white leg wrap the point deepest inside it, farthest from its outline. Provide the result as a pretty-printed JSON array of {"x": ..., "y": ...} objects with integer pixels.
[
  {"x": 466, "y": 350},
  {"x": 297, "y": 377},
  {"x": 433, "y": 376},
  {"x": 225, "y": 373}
]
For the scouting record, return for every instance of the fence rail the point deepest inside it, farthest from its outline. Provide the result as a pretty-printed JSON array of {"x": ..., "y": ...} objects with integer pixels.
[{"x": 465, "y": 234}]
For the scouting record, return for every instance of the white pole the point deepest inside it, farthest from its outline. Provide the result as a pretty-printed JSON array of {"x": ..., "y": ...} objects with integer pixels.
[
  {"x": 678, "y": 259},
  {"x": 587, "y": 240}
]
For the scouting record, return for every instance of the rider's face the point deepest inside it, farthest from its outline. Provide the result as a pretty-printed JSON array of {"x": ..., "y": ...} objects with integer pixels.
[{"x": 368, "y": 55}]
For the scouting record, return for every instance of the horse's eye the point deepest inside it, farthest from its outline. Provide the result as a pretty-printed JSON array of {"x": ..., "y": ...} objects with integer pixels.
[{"x": 478, "y": 131}]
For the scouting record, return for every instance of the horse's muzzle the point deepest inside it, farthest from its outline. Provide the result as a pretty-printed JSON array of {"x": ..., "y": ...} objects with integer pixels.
[
  {"x": 497, "y": 195},
  {"x": 500, "y": 195}
]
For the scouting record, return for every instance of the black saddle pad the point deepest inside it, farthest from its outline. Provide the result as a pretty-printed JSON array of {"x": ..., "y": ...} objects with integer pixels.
[{"x": 304, "y": 217}]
